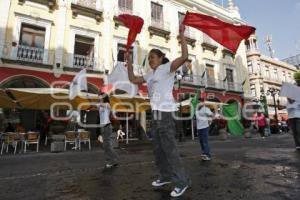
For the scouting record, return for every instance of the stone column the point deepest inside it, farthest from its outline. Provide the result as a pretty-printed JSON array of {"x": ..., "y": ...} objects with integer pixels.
[
  {"x": 4, "y": 12},
  {"x": 60, "y": 32},
  {"x": 107, "y": 35}
]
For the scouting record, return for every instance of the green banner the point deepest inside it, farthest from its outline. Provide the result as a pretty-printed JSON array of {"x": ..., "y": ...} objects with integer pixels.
[
  {"x": 233, "y": 116},
  {"x": 194, "y": 103}
]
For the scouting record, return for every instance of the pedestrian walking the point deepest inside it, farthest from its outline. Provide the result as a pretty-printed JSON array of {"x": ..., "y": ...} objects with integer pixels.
[
  {"x": 293, "y": 108},
  {"x": 111, "y": 156},
  {"x": 160, "y": 82},
  {"x": 202, "y": 116},
  {"x": 261, "y": 123}
]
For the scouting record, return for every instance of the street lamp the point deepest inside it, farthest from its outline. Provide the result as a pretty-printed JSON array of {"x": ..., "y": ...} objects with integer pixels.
[
  {"x": 273, "y": 92},
  {"x": 179, "y": 77}
]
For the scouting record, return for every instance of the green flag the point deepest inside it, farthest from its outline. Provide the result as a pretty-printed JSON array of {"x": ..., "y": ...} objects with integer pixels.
[
  {"x": 194, "y": 103},
  {"x": 231, "y": 112}
]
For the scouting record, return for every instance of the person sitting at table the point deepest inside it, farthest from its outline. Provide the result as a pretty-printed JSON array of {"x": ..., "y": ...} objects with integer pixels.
[
  {"x": 20, "y": 128},
  {"x": 9, "y": 128}
]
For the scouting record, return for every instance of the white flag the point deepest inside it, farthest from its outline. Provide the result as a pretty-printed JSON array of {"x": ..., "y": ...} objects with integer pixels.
[
  {"x": 78, "y": 84},
  {"x": 290, "y": 90},
  {"x": 119, "y": 79}
]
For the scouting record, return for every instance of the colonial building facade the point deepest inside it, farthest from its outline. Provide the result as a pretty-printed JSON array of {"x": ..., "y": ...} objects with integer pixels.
[
  {"x": 44, "y": 43},
  {"x": 266, "y": 73},
  {"x": 52, "y": 40}
]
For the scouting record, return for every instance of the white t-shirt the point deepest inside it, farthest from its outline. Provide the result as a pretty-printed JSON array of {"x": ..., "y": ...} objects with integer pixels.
[
  {"x": 202, "y": 116},
  {"x": 104, "y": 112},
  {"x": 160, "y": 86},
  {"x": 293, "y": 110}
]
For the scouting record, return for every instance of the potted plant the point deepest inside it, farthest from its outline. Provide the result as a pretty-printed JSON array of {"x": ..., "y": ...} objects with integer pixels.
[{"x": 297, "y": 77}]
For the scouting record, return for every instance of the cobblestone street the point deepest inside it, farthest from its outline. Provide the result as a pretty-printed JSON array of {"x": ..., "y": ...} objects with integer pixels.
[{"x": 240, "y": 169}]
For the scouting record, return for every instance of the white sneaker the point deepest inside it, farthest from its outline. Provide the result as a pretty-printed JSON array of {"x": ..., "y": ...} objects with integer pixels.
[
  {"x": 206, "y": 158},
  {"x": 178, "y": 191},
  {"x": 298, "y": 148},
  {"x": 108, "y": 166},
  {"x": 159, "y": 183}
]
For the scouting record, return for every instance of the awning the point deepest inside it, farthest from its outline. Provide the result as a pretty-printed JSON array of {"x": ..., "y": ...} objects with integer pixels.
[
  {"x": 126, "y": 103},
  {"x": 45, "y": 98},
  {"x": 6, "y": 101}
]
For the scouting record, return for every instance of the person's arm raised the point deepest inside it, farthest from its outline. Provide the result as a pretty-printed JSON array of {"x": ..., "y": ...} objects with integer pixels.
[
  {"x": 132, "y": 78},
  {"x": 184, "y": 51}
]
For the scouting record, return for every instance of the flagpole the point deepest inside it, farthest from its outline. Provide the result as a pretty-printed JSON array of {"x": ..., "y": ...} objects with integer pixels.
[
  {"x": 192, "y": 124},
  {"x": 127, "y": 142}
]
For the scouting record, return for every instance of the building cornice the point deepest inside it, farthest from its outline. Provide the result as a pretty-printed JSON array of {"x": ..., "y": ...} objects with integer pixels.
[
  {"x": 279, "y": 63},
  {"x": 210, "y": 8}
]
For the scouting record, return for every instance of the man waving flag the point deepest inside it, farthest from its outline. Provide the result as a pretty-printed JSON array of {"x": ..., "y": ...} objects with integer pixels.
[{"x": 228, "y": 35}]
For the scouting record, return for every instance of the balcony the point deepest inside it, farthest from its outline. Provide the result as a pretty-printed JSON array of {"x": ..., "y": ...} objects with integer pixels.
[
  {"x": 50, "y": 3},
  {"x": 209, "y": 44},
  {"x": 81, "y": 61},
  {"x": 45, "y": 58},
  {"x": 88, "y": 8},
  {"x": 273, "y": 80},
  {"x": 211, "y": 83},
  {"x": 159, "y": 28},
  {"x": 30, "y": 54},
  {"x": 233, "y": 87},
  {"x": 122, "y": 10},
  {"x": 190, "y": 37},
  {"x": 227, "y": 52}
]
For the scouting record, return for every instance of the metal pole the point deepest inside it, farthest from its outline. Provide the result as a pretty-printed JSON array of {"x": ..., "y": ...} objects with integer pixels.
[
  {"x": 181, "y": 135},
  {"x": 276, "y": 117},
  {"x": 192, "y": 124},
  {"x": 127, "y": 139}
]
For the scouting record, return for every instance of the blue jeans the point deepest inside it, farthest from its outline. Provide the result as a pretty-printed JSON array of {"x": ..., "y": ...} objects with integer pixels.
[{"x": 203, "y": 139}]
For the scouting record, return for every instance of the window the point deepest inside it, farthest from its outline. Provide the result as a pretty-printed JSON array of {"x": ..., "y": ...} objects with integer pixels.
[
  {"x": 250, "y": 68},
  {"x": 289, "y": 77},
  {"x": 125, "y": 5},
  {"x": 253, "y": 90},
  {"x": 31, "y": 43},
  {"x": 180, "y": 18},
  {"x": 83, "y": 51},
  {"x": 275, "y": 74},
  {"x": 283, "y": 76},
  {"x": 156, "y": 12},
  {"x": 32, "y": 36},
  {"x": 122, "y": 51},
  {"x": 230, "y": 80},
  {"x": 267, "y": 72},
  {"x": 210, "y": 74},
  {"x": 247, "y": 45}
]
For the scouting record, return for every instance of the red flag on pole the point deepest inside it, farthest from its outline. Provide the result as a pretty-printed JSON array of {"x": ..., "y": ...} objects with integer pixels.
[
  {"x": 228, "y": 35},
  {"x": 134, "y": 23}
]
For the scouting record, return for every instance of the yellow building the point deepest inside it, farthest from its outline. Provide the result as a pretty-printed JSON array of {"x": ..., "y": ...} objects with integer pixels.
[
  {"x": 46, "y": 42},
  {"x": 62, "y": 36}
]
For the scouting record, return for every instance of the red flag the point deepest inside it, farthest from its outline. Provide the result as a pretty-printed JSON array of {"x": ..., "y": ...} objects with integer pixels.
[
  {"x": 228, "y": 35},
  {"x": 134, "y": 23}
]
